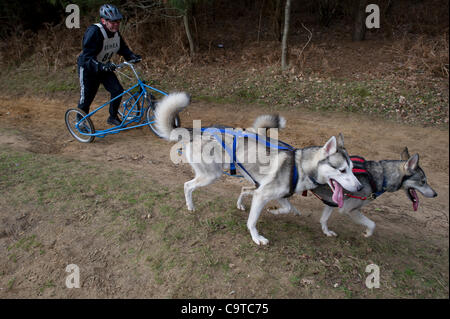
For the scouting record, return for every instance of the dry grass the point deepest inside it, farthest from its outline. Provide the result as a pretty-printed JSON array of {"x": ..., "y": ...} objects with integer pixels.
[
  {"x": 160, "y": 37},
  {"x": 55, "y": 57},
  {"x": 426, "y": 54},
  {"x": 17, "y": 48},
  {"x": 414, "y": 66}
]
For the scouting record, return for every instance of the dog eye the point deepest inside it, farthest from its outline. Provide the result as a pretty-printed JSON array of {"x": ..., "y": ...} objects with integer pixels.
[{"x": 342, "y": 171}]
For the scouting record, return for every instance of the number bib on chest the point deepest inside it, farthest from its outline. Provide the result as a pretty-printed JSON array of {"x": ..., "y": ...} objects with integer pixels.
[{"x": 110, "y": 45}]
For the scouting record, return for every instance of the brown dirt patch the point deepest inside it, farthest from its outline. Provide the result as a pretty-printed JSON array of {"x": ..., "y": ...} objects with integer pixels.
[{"x": 37, "y": 125}]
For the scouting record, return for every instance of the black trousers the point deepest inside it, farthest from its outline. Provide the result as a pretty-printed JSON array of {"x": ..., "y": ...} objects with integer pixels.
[{"x": 89, "y": 84}]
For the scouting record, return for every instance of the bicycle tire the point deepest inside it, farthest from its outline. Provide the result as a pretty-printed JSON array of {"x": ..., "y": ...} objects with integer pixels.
[
  {"x": 150, "y": 116},
  {"x": 127, "y": 105},
  {"x": 71, "y": 120}
]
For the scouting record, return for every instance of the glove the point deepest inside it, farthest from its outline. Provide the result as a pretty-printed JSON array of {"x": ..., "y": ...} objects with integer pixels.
[
  {"x": 108, "y": 67},
  {"x": 135, "y": 58}
]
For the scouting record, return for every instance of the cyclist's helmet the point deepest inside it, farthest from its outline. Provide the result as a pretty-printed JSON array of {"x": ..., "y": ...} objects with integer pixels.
[{"x": 110, "y": 12}]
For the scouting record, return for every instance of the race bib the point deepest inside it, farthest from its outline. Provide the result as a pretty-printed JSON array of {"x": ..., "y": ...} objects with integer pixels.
[{"x": 110, "y": 45}]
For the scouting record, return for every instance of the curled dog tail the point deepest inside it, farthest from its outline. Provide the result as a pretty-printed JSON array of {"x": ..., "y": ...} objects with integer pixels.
[
  {"x": 166, "y": 111},
  {"x": 269, "y": 121}
]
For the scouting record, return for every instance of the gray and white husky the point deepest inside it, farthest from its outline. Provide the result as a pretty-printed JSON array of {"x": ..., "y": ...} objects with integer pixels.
[
  {"x": 274, "y": 180},
  {"x": 386, "y": 175}
]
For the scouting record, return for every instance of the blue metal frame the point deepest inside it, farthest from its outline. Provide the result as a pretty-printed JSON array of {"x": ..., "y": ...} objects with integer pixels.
[{"x": 125, "y": 121}]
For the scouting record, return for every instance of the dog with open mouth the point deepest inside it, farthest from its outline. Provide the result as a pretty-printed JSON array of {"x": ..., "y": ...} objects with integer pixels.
[
  {"x": 376, "y": 178},
  {"x": 288, "y": 170}
]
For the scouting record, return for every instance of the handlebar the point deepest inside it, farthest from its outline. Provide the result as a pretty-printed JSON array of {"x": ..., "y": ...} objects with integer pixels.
[
  {"x": 127, "y": 63},
  {"x": 130, "y": 64},
  {"x": 135, "y": 60}
]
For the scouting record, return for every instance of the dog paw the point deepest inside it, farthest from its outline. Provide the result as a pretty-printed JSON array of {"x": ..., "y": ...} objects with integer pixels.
[
  {"x": 274, "y": 211},
  {"x": 367, "y": 233},
  {"x": 278, "y": 211},
  {"x": 240, "y": 206},
  {"x": 190, "y": 208},
  {"x": 330, "y": 233},
  {"x": 260, "y": 240},
  {"x": 296, "y": 212}
]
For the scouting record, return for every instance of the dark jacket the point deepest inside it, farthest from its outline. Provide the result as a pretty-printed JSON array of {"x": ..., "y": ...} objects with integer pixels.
[{"x": 92, "y": 45}]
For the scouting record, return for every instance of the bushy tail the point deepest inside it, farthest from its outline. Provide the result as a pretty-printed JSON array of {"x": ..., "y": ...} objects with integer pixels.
[
  {"x": 166, "y": 111},
  {"x": 269, "y": 121}
]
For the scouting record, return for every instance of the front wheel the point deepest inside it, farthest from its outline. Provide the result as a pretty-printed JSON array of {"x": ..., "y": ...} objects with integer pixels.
[
  {"x": 150, "y": 117},
  {"x": 72, "y": 117}
]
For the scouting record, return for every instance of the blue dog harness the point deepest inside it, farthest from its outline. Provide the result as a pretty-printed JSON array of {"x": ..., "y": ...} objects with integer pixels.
[{"x": 215, "y": 131}]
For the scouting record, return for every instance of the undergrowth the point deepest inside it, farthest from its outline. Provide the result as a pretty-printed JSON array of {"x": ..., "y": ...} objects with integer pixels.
[{"x": 119, "y": 218}]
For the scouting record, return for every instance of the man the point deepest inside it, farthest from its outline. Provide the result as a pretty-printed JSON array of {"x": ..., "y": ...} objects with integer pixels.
[{"x": 100, "y": 42}]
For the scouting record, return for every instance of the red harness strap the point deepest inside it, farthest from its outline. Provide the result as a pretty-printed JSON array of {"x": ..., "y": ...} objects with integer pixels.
[
  {"x": 358, "y": 197},
  {"x": 305, "y": 193},
  {"x": 359, "y": 169}
]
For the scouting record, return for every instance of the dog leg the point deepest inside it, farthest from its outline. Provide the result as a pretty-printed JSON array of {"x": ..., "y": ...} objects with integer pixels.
[
  {"x": 190, "y": 186},
  {"x": 359, "y": 218},
  {"x": 188, "y": 189},
  {"x": 258, "y": 204},
  {"x": 286, "y": 207},
  {"x": 326, "y": 213},
  {"x": 246, "y": 190}
]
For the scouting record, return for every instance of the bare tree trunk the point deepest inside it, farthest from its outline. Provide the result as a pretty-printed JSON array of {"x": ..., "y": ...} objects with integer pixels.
[
  {"x": 188, "y": 34},
  {"x": 359, "y": 28},
  {"x": 277, "y": 19},
  {"x": 260, "y": 18},
  {"x": 285, "y": 35}
]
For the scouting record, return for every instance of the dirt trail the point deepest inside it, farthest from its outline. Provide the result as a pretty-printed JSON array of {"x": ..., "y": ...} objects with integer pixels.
[{"x": 38, "y": 125}]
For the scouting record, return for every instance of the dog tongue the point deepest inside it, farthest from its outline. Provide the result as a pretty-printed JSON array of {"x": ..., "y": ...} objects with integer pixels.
[
  {"x": 338, "y": 196},
  {"x": 416, "y": 199}
]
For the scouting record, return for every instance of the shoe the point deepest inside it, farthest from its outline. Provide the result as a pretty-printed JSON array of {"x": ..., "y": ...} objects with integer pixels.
[
  {"x": 83, "y": 127},
  {"x": 114, "y": 121}
]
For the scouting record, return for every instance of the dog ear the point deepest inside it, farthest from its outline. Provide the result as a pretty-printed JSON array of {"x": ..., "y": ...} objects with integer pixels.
[
  {"x": 405, "y": 154},
  {"x": 330, "y": 147},
  {"x": 340, "y": 141},
  {"x": 412, "y": 163}
]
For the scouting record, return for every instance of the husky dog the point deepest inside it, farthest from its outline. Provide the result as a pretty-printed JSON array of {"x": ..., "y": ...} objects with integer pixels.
[
  {"x": 386, "y": 175},
  {"x": 287, "y": 171}
]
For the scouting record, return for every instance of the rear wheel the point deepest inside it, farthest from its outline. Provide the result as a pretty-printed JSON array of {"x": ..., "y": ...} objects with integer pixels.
[
  {"x": 150, "y": 117},
  {"x": 72, "y": 117},
  {"x": 126, "y": 107}
]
